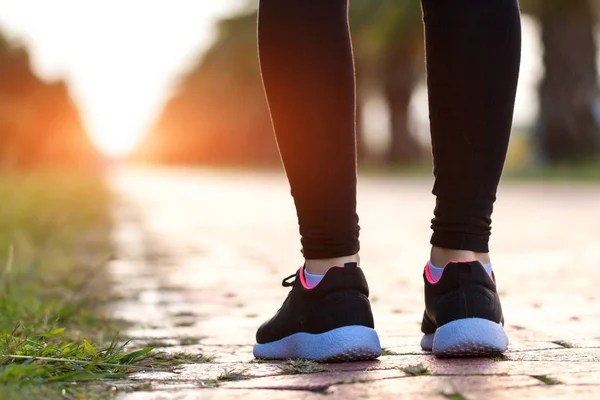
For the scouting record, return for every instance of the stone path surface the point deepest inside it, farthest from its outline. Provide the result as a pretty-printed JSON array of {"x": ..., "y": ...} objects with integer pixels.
[{"x": 201, "y": 256}]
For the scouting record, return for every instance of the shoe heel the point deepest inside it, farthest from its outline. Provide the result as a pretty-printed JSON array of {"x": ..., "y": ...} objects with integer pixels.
[{"x": 469, "y": 337}]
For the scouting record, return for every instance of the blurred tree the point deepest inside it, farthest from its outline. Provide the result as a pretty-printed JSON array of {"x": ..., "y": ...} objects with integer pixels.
[
  {"x": 218, "y": 114},
  {"x": 567, "y": 128},
  {"x": 388, "y": 36},
  {"x": 362, "y": 14},
  {"x": 39, "y": 125}
]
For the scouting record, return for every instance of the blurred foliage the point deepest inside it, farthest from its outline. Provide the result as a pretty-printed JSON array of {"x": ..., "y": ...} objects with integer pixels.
[
  {"x": 389, "y": 57},
  {"x": 55, "y": 331},
  {"x": 219, "y": 115},
  {"x": 568, "y": 93},
  {"x": 39, "y": 125}
]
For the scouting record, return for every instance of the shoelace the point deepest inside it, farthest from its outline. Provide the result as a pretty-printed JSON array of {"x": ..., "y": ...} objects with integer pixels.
[{"x": 286, "y": 283}]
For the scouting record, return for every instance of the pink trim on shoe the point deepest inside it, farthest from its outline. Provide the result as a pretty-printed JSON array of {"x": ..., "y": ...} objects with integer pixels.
[
  {"x": 428, "y": 274},
  {"x": 303, "y": 278}
]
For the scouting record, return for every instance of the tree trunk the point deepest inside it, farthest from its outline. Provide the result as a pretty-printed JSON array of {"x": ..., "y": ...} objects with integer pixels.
[
  {"x": 568, "y": 130},
  {"x": 398, "y": 79}
]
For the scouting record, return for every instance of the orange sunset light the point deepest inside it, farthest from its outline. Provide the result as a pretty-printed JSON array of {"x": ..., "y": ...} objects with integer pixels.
[{"x": 120, "y": 58}]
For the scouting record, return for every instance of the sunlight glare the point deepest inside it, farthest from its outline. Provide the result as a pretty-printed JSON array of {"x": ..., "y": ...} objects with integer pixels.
[{"x": 120, "y": 58}]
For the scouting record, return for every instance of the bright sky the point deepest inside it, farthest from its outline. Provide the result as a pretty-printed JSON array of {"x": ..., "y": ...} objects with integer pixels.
[{"x": 120, "y": 57}]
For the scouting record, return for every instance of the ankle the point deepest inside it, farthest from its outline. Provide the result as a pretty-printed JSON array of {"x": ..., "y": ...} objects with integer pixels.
[
  {"x": 441, "y": 256},
  {"x": 321, "y": 266}
]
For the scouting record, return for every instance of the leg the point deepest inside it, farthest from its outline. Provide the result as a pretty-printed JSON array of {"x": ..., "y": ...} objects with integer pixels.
[
  {"x": 308, "y": 74},
  {"x": 473, "y": 57}
]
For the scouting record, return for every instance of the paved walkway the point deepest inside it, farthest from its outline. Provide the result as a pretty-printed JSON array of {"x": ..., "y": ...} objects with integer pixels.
[{"x": 202, "y": 255}]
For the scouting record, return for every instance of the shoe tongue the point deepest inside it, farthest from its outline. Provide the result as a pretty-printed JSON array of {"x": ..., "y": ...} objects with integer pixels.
[
  {"x": 350, "y": 267},
  {"x": 466, "y": 269}
]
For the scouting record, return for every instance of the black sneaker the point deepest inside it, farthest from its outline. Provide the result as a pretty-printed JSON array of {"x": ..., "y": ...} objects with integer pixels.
[
  {"x": 463, "y": 315},
  {"x": 330, "y": 322}
]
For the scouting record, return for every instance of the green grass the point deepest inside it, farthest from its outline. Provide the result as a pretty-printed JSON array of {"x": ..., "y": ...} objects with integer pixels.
[
  {"x": 54, "y": 244},
  {"x": 416, "y": 370},
  {"x": 294, "y": 367},
  {"x": 388, "y": 352},
  {"x": 546, "y": 379},
  {"x": 563, "y": 343},
  {"x": 588, "y": 171},
  {"x": 583, "y": 172},
  {"x": 234, "y": 375},
  {"x": 353, "y": 380},
  {"x": 228, "y": 375},
  {"x": 178, "y": 358},
  {"x": 158, "y": 343},
  {"x": 455, "y": 396},
  {"x": 189, "y": 341}
]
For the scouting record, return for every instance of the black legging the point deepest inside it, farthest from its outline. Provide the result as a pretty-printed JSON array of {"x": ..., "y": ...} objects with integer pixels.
[{"x": 473, "y": 56}]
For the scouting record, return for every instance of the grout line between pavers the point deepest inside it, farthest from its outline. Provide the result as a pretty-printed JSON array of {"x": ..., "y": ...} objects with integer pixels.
[{"x": 250, "y": 377}]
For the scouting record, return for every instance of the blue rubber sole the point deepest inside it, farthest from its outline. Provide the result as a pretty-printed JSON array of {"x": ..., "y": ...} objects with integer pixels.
[
  {"x": 348, "y": 343},
  {"x": 468, "y": 337}
]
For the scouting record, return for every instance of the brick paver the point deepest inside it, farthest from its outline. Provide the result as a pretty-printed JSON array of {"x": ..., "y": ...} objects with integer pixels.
[{"x": 202, "y": 254}]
